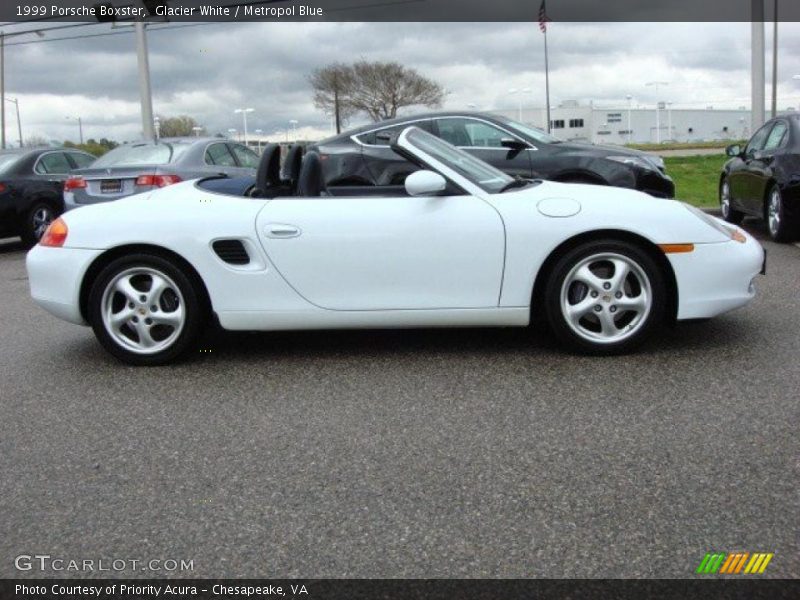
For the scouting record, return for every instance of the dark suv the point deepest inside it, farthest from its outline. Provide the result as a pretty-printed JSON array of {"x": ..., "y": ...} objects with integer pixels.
[{"x": 362, "y": 156}]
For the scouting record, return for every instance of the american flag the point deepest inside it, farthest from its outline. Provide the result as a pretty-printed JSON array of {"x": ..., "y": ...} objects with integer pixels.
[{"x": 543, "y": 18}]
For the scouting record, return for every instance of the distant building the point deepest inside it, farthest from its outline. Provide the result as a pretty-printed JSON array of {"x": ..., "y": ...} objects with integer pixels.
[{"x": 622, "y": 125}]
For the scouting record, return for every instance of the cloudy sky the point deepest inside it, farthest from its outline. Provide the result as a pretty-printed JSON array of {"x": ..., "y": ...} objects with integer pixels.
[{"x": 207, "y": 70}]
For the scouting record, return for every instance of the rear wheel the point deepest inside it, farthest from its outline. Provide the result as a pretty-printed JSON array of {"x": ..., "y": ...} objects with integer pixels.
[
  {"x": 605, "y": 297},
  {"x": 144, "y": 310},
  {"x": 36, "y": 222},
  {"x": 779, "y": 227},
  {"x": 730, "y": 214}
]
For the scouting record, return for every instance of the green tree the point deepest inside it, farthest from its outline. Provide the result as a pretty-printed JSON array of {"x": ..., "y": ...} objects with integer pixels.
[{"x": 179, "y": 126}]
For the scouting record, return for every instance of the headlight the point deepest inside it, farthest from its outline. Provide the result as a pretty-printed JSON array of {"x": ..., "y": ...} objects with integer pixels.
[
  {"x": 729, "y": 230},
  {"x": 649, "y": 163}
]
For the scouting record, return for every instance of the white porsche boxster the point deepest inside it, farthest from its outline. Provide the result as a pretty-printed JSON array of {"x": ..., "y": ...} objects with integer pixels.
[{"x": 460, "y": 244}]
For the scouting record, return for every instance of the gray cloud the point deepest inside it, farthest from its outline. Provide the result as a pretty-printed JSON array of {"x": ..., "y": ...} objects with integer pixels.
[{"x": 208, "y": 70}]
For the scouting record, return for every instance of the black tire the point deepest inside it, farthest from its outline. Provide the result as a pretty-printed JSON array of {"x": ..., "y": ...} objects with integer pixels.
[
  {"x": 730, "y": 214},
  {"x": 633, "y": 327},
  {"x": 194, "y": 317},
  {"x": 35, "y": 222},
  {"x": 779, "y": 227}
]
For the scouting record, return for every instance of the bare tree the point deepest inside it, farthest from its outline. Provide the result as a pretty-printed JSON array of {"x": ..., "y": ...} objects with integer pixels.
[
  {"x": 378, "y": 89},
  {"x": 180, "y": 126},
  {"x": 331, "y": 85}
]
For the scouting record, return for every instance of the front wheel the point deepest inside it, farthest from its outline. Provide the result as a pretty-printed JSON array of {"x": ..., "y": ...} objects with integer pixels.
[
  {"x": 605, "y": 297},
  {"x": 730, "y": 214},
  {"x": 144, "y": 310},
  {"x": 779, "y": 227}
]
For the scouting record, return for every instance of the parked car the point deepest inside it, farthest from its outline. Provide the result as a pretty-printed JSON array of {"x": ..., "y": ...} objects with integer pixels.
[
  {"x": 763, "y": 179},
  {"x": 363, "y": 157},
  {"x": 143, "y": 166},
  {"x": 463, "y": 244},
  {"x": 30, "y": 188}
]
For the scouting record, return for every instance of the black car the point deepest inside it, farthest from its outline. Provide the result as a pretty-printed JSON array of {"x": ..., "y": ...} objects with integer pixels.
[
  {"x": 763, "y": 179},
  {"x": 31, "y": 184},
  {"x": 363, "y": 157}
]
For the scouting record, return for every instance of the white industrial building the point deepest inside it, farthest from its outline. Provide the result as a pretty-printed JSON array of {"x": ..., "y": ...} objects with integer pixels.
[{"x": 623, "y": 125}]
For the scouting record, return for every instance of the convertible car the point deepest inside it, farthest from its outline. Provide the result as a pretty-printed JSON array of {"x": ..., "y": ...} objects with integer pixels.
[{"x": 459, "y": 244}]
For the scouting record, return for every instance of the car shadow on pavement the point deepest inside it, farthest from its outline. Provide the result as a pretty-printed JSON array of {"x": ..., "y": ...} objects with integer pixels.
[
  {"x": 223, "y": 346},
  {"x": 12, "y": 245}
]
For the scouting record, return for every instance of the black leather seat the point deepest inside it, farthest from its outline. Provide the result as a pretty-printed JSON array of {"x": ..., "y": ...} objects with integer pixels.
[
  {"x": 312, "y": 181},
  {"x": 291, "y": 168},
  {"x": 268, "y": 176}
]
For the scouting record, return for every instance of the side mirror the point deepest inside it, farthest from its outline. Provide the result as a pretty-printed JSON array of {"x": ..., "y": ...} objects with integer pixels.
[
  {"x": 425, "y": 183},
  {"x": 733, "y": 150},
  {"x": 513, "y": 144}
]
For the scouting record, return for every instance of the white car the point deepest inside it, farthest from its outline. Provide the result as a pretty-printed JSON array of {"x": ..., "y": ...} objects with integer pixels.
[{"x": 461, "y": 244}]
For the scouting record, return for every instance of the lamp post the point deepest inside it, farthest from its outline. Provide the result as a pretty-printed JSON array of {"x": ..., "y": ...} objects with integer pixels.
[
  {"x": 657, "y": 84},
  {"x": 157, "y": 127},
  {"x": 19, "y": 123},
  {"x": 197, "y": 129},
  {"x": 3, "y": 37},
  {"x": 669, "y": 119},
  {"x": 630, "y": 99},
  {"x": 244, "y": 112},
  {"x": 293, "y": 123},
  {"x": 258, "y": 141},
  {"x": 80, "y": 128},
  {"x": 514, "y": 91}
]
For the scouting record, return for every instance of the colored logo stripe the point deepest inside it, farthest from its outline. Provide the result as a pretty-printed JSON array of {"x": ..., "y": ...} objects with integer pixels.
[{"x": 733, "y": 563}]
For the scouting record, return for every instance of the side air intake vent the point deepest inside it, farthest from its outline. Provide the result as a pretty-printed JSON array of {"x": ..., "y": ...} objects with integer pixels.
[{"x": 232, "y": 252}]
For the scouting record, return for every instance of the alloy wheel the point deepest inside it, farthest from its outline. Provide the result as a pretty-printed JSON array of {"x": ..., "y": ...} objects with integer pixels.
[
  {"x": 606, "y": 298},
  {"x": 143, "y": 310},
  {"x": 774, "y": 212},
  {"x": 40, "y": 220}
]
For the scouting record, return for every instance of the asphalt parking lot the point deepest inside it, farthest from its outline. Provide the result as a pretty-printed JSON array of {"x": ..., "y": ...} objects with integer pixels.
[{"x": 468, "y": 453}]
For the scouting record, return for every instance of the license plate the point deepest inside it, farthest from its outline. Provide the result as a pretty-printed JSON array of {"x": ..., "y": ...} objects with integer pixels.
[{"x": 110, "y": 186}]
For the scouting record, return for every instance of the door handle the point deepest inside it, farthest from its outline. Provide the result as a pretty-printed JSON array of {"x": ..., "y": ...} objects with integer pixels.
[{"x": 282, "y": 231}]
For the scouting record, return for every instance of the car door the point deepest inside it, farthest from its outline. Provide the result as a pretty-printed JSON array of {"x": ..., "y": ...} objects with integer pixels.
[
  {"x": 760, "y": 166},
  {"x": 744, "y": 174},
  {"x": 387, "y": 253},
  {"x": 50, "y": 171},
  {"x": 383, "y": 164},
  {"x": 485, "y": 140}
]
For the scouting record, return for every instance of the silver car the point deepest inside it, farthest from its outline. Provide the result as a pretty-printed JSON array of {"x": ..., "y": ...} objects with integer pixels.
[{"x": 143, "y": 166}]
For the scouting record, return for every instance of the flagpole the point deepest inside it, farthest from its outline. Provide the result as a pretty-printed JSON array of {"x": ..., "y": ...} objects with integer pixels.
[{"x": 547, "y": 81}]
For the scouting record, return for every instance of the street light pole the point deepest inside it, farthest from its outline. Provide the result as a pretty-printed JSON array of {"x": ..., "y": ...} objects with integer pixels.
[
  {"x": 244, "y": 112},
  {"x": 148, "y": 131},
  {"x": 293, "y": 123},
  {"x": 258, "y": 141},
  {"x": 3, "y": 37},
  {"x": 80, "y": 128},
  {"x": 630, "y": 98},
  {"x": 669, "y": 120},
  {"x": 19, "y": 123},
  {"x": 757, "y": 78},
  {"x": 656, "y": 84},
  {"x": 513, "y": 91}
]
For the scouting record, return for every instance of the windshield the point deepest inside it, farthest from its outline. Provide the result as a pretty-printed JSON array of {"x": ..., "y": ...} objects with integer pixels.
[
  {"x": 131, "y": 155},
  {"x": 7, "y": 162},
  {"x": 478, "y": 172},
  {"x": 534, "y": 133}
]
